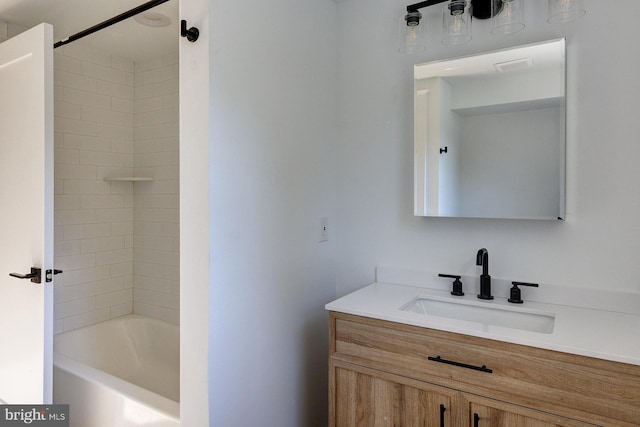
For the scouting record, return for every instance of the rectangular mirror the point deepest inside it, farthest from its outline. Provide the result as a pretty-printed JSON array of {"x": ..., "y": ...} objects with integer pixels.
[{"x": 489, "y": 134}]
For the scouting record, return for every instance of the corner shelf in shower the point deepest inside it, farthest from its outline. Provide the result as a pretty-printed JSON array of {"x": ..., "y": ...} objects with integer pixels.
[{"x": 128, "y": 178}]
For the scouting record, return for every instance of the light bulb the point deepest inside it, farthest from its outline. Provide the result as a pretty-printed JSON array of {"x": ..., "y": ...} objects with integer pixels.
[
  {"x": 412, "y": 31},
  {"x": 457, "y": 24},
  {"x": 506, "y": 10}
]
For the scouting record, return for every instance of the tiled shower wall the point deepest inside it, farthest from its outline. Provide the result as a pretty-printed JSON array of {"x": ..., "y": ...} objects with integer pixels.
[
  {"x": 94, "y": 97},
  {"x": 156, "y": 219},
  {"x": 102, "y": 226}
]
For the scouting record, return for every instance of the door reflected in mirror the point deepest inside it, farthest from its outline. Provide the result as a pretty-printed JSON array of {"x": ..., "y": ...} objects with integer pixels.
[{"x": 489, "y": 134}]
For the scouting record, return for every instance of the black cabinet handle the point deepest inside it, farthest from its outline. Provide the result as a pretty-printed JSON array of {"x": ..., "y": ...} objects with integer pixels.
[
  {"x": 476, "y": 420},
  {"x": 482, "y": 368},
  {"x": 442, "y": 411}
]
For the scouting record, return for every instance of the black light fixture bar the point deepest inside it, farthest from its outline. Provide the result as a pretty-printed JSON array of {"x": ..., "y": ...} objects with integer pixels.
[
  {"x": 481, "y": 9},
  {"x": 109, "y": 22},
  {"x": 414, "y": 7}
]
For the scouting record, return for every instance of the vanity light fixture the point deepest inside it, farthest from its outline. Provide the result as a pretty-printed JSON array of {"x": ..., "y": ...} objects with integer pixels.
[
  {"x": 508, "y": 17},
  {"x": 457, "y": 16},
  {"x": 412, "y": 35},
  {"x": 456, "y": 23}
]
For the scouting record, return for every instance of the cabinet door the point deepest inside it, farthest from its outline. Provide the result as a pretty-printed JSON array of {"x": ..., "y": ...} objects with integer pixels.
[
  {"x": 484, "y": 412},
  {"x": 365, "y": 397}
]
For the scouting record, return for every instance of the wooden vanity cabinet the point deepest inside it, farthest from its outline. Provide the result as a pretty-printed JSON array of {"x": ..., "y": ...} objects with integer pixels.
[
  {"x": 391, "y": 374},
  {"x": 366, "y": 397},
  {"x": 483, "y": 412}
]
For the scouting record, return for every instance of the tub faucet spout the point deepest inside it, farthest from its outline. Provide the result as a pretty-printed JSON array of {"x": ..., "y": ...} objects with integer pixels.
[{"x": 485, "y": 280}]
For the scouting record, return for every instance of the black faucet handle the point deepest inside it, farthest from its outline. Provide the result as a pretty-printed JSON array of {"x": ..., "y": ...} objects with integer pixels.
[
  {"x": 515, "y": 295},
  {"x": 534, "y": 285},
  {"x": 457, "y": 284}
]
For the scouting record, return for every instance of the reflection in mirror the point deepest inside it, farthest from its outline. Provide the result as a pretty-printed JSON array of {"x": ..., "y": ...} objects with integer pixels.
[{"x": 489, "y": 134}]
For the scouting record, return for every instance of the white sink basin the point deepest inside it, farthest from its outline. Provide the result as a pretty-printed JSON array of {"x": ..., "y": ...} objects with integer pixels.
[{"x": 484, "y": 313}]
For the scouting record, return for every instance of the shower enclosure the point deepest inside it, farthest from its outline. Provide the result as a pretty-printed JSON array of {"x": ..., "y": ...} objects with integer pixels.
[
  {"x": 116, "y": 165},
  {"x": 116, "y": 192}
]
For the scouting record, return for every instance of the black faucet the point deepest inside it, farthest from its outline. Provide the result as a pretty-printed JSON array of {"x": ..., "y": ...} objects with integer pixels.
[{"x": 485, "y": 280}]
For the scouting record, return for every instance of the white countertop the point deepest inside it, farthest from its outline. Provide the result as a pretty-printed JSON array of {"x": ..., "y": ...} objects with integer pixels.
[{"x": 589, "y": 332}]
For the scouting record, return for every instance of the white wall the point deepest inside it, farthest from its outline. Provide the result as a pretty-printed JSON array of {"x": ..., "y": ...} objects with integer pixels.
[
  {"x": 521, "y": 145},
  {"x": 195, "y": 218},
  {"x": 273, "y": 172},
  {"x": 598, "y": 244},
  {"x": 500, "y": 89}
]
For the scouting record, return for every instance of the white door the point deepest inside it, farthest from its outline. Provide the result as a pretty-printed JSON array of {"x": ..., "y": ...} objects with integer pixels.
[{"x": 26, "y": 216}]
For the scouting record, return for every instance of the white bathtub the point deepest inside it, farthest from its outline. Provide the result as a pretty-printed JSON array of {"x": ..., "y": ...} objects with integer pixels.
[{"x": 122, "y": 372}]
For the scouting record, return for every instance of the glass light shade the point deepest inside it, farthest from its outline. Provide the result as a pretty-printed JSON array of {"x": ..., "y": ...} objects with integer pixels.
[
  {"x": 456, "y": 23},
  {"x": 565, "y": 10},
  {"x": 508, "y": 17},
  {"x": 412, "y": 34}
]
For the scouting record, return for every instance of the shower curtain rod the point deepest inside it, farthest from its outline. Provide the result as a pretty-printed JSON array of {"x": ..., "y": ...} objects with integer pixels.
[{"x": 110, "y": 22}]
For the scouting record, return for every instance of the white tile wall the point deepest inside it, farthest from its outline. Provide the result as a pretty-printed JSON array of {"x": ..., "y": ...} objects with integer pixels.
[
  {"x": 115, "y": 118},
  {"x": 94, "y": 218},
  {"x": 156, "y": 244}
]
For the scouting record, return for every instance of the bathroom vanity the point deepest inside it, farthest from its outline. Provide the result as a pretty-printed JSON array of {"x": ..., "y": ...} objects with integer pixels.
[{"x": 389, "y": 366}]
